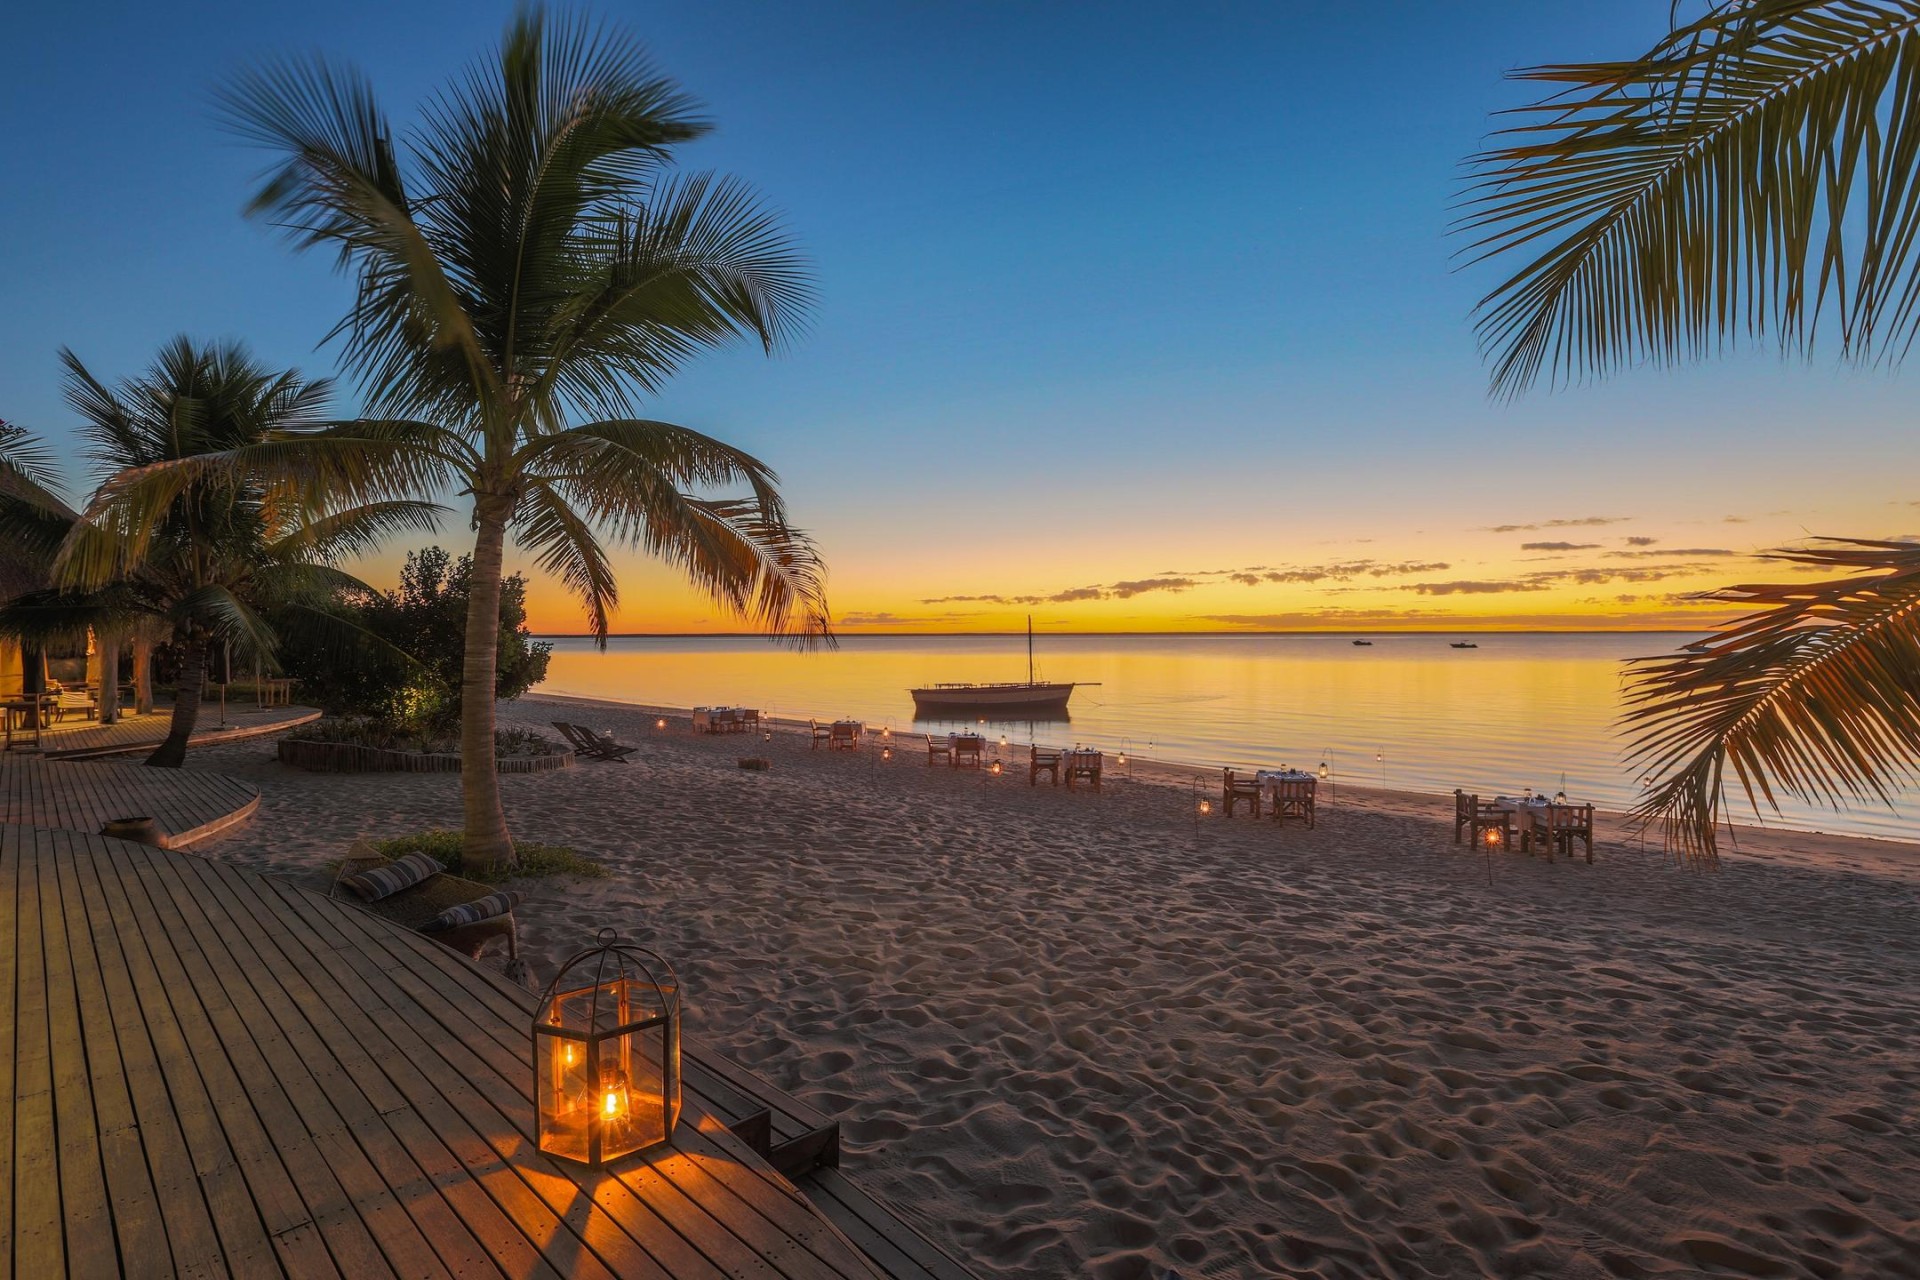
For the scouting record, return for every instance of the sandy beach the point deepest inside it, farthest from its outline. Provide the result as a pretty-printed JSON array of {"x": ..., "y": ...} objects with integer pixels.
[{"x": 1080, "y": 1034}]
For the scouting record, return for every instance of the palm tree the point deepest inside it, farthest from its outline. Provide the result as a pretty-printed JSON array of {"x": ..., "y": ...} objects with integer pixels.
[
  {"x": 1757, "y": 172},
  {"x": 175, "y": 540},
  {"x": 526, "y": 259}
]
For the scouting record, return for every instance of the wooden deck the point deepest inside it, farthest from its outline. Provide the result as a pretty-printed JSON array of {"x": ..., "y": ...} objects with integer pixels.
[
  {"x": 219, "y": 1073},
  {"x": 188, "y": 805},
  {"x": 87, "y": 739}
]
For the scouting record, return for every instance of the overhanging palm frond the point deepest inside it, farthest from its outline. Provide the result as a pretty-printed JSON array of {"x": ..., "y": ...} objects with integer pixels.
[
  {"x": 1754, "y": 172},
  {"x": 355, "y": 530},
  {"x": 564, "y": 545},
  {"x": 1816, "y": 695}
]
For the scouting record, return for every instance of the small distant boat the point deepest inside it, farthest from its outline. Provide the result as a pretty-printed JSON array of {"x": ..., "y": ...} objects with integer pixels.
[
  {"x": 1034, "y": 695},
  {"x": 1463, "y": 644},
  {"x": 1364, "y": 643}
]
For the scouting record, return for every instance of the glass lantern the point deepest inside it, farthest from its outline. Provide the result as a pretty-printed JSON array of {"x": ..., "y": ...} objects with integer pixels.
[{"x": 606, "y": 1054}]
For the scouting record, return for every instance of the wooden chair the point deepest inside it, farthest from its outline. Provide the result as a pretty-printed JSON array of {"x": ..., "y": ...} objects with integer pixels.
[
  {"x": 1233, "y": 790},
  {"x": 843, "y": 737},
  {"x": 939, "y": 749},
  {"x": 1295, "y": 798},
  {"x": 966, "y": 752},
  {"x": 85, "y": 704},
  {"x": 749, "y": 721},
  {"x": 1037, "y": 761},
  {"x": 1559, "y": 825},
  {"x": 1084, "y": 768},
  {"x": 820, "y": 733},
  {"x": 1476, "y": 819}
]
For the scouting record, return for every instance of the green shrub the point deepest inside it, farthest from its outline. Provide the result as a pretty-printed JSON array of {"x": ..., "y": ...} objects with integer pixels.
[
  {"x": 427, "y": 619},
  {"x": 392, "y": 735},
  {"x": 536, "y": 859}
]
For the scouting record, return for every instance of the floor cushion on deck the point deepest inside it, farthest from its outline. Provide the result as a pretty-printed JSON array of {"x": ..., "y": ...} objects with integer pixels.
[
  {"x": 494, "y": 904},
  {"x": 402, "y": 873}
]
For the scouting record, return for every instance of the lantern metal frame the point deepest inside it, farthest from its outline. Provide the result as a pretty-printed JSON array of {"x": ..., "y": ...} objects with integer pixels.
[{"x": 612, "y": 972}]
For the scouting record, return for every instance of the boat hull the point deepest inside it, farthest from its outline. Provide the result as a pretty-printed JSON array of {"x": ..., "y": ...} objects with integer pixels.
[{"x": 995, "y": 696}]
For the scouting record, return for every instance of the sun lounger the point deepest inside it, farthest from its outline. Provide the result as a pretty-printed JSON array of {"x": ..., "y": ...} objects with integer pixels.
[
  {"x": 412, "y": 907},
  {"x": 595, "y": 746}
]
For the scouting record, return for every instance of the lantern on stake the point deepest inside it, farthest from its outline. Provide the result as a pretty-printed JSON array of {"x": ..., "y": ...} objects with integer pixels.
[{"x": 606, "y": 1054}]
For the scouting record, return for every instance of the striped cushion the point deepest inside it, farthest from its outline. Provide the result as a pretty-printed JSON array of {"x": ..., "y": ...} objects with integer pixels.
[
  {"x": 402, "y": 873},
  {"x": 494, "y": 904}
]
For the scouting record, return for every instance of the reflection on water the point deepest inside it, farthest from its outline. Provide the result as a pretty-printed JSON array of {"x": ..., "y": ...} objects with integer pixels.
[{"x": 1519, "y": 711}]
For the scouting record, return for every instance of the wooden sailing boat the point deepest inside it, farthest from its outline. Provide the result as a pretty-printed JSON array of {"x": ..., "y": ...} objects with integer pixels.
[{"x": 1034, "y": 695}]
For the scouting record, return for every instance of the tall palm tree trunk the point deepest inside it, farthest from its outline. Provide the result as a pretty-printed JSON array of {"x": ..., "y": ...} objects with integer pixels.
[
  {"x": 172, "y": 753},
  {"x": 487, "y": 844}
]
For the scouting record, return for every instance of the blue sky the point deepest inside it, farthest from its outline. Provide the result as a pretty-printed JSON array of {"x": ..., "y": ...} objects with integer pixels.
[{"x": 1106, "y": 292}]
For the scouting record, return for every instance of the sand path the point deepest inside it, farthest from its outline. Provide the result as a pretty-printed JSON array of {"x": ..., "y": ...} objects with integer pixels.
[{"x": 1075, "y": 1036}]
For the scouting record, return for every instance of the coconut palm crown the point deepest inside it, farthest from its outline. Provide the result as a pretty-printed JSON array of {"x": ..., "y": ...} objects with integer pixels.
[
  {"x": 1755, "y": 174},
  {"x": 525, "y": 259},
  {"x": 176, "y": 540}
]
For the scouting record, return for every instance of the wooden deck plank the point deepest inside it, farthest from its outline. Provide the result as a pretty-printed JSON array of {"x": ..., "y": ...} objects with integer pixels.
[
  {"x": 137, "y": 1224},
  {"x": 445, "y": 1105},
  {"x": 713, "y": 1173},
  {"x": 133, "y": 734},
  {"x": 84, "y": 1211},
  {"x": 356, "y": 1209},
  {"x": 11, "y": 956},
  {"x": 188, "y": 806},
  {"x": 236, "y": 1076},
  {"x": 627, "y": 1239},
  {"x": 192, "y": 1239},
  {"x": 315, "y": 1057},
  {"x": 255, "y": 1210},
  {"x": 38, "y": 1235}
]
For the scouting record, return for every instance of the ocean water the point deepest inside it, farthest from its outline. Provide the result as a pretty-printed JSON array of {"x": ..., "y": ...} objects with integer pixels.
[{"x": 1409, "y": 711}]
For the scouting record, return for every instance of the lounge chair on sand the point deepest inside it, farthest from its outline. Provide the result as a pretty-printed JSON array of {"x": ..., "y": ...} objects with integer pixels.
[
  {"x": 423, "y": 904},
  {"x": 595, "y": 746}
]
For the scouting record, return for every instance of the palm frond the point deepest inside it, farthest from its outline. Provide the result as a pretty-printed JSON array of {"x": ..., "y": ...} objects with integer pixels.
[
  {"x": 1815, "y": 695},
  {"x": 52, "y": 616},
  {"x": 564, "y": 546},
  {"x": 226, "y": 617},
  {"x": 27, "y": 472},
  {"x": 340, "y": 185},
  {"x": 699, "y": 264},
  {"x": 1754, "y": 172},
  {"x": 354, "y": 531}
]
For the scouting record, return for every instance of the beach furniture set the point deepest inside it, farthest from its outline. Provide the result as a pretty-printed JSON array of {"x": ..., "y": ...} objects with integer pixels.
[
  {"x": 725, "y": 719},
  {"x": 841, "y": 735},
  {"x": 1535, "y": 821},
  {"x": 956, "y": 750},
  {"x": 1286, "y": 793}
]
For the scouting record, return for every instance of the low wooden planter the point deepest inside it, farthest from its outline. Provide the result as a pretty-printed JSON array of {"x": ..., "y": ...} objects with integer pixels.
[{"x": 347, "y": 757}]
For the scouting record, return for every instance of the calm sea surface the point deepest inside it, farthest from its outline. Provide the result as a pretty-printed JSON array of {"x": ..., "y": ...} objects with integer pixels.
[{"x": 1519, "y": 711}]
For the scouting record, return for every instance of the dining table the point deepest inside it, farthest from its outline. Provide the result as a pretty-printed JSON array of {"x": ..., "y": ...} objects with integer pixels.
[
  {"x": 1525, "y": 811},
  {"x": 1270, "y": 780}
]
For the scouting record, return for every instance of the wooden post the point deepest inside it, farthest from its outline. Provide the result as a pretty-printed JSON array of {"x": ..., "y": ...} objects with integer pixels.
[
  {"x": 108, "y": 643},
  {"x": 142, "y": 675}
]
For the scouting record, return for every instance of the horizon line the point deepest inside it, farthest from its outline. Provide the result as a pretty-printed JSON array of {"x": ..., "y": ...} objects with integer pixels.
[{"x": 908, "y": 635}]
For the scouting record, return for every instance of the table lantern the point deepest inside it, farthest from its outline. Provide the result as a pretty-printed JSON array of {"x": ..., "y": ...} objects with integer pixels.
[{"x": 606, "y": 1054}]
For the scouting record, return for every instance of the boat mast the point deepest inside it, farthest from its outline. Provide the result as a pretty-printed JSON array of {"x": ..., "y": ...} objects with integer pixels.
[{"x": 1029, "y": 648}]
